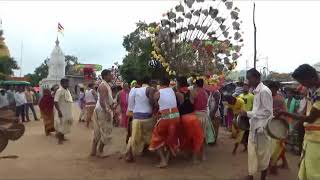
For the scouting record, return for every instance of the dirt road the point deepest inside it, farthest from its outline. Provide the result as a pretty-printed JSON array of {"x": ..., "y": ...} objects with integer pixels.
[{"x": 41, "y": 158}]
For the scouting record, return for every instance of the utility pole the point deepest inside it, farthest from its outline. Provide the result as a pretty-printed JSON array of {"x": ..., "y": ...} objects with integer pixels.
[
  {"x": 255, "y": 36},
  {"x": 247, "y": 65}
]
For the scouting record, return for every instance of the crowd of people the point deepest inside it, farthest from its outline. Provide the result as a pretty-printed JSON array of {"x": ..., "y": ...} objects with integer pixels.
[
  {"x": 21, "y": 99},
  {"x": 185, "y": 117}
]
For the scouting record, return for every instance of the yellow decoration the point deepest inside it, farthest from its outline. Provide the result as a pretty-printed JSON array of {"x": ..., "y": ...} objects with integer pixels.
[{"x": 4, "y": 51}]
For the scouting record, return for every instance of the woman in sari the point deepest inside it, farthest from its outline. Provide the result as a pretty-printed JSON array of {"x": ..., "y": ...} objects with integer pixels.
[
  {"x": 46, "y": 108},
  {"x": 123, "y": 98},
  {"x": 200, "y": 104}
]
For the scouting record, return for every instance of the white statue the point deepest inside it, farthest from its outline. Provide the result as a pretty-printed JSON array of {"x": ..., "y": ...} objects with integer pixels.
[{"x": 56, "y": 63}]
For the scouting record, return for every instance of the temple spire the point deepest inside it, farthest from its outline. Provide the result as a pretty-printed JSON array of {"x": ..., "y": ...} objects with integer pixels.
[
  {"x": 4, "y": 51},
  {"x": 57, "y": 41}
]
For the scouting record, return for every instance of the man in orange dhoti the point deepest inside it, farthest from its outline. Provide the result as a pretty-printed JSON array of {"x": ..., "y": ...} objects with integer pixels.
[
  {"x": 191, "y": 134},
  {"x": 164, "y": 136}
]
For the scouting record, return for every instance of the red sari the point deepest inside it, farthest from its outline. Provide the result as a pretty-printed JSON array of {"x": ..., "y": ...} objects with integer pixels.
[
  {"x": 123, "y": 95},
  {"x": 46, "y": 108}
]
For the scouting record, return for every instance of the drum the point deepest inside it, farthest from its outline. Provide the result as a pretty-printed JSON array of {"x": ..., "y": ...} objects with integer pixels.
[
  {"x": 3, "y": 140},
  {"x": 278, "y": 128},
  {"x": 242, "y": 122},
  {"x": 15, "y": 131}
]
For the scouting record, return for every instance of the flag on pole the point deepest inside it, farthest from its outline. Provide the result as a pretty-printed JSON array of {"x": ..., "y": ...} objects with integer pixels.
[{"x": 60, "y": 28}]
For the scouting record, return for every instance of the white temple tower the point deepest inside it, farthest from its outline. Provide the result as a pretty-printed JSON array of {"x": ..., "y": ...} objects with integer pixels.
[
  {"x": 57, "y": 63},
  {"x": 56, "y": 67}
]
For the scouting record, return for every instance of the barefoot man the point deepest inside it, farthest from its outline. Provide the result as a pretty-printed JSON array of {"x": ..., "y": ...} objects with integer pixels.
[
  {"x": 142, "y": 123},
  {"x": 236, "y": 105},
  {"x": 102, "y": 117},
  {"x": 63, "y": 103},
  {"x": 259, "y": 143},
  {"x": 164, "y": 136}
]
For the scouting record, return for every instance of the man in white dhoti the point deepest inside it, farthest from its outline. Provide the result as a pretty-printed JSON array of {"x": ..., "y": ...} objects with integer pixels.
[
  {"x": 103, "y": 115},
  {"x": 259, "y": 143},
  {"x": 63, "y": 103}
]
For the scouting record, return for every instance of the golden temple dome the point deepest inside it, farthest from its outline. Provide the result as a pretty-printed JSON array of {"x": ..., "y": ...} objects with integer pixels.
[{"x": 4, "y": 51}]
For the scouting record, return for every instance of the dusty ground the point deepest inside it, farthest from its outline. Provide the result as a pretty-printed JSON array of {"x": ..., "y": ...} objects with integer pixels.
[{"x": 41, "y": 158}]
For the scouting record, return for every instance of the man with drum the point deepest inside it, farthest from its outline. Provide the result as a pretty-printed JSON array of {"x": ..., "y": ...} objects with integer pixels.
[
  {"x": 307, "y": 76},
  {"x": 259, "y": 143},
  {"x": 235, "y": 106},
  {"x": 279, "y": 149}
]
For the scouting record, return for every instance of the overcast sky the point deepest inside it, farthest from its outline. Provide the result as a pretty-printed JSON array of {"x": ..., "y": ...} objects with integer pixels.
[{"x": 288, "y": 31}]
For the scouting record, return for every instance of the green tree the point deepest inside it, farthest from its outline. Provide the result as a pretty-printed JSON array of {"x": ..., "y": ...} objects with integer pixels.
[
  {"x": 275, "y": 76},
  {"x": 135, "y": 64},
  {"x": 7, "y": 65},
  {"x": 70, "y": 62},
  {"x": 41, "y": 71}
]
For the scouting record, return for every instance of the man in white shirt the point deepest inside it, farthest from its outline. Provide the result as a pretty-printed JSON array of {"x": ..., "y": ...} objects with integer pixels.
[
  {"x": 21, "y": 101},
  {"x": 142, "y": 123},
  {"x": 90, "y": 102},
  {"x": 4, "y": 102},
  {"x": 130, "y": 108},
  {"x": 63, "y": 103},
  {"x": 259, "y": 143},
  {"x": 10, "y": 93},
  {"x": 6, "y": 112}
]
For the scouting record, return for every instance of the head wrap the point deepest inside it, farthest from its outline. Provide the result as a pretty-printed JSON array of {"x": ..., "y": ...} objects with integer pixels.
[{"x": 133, "y": 83}]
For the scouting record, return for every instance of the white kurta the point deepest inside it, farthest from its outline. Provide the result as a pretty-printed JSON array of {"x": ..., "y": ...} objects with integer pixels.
[
  {"x": 64, "y": 100},
  {"x": 260, "y": 144}
]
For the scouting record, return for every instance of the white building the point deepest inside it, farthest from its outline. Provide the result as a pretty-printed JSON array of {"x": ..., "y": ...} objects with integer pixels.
[{"x": 56, "y": 66}]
